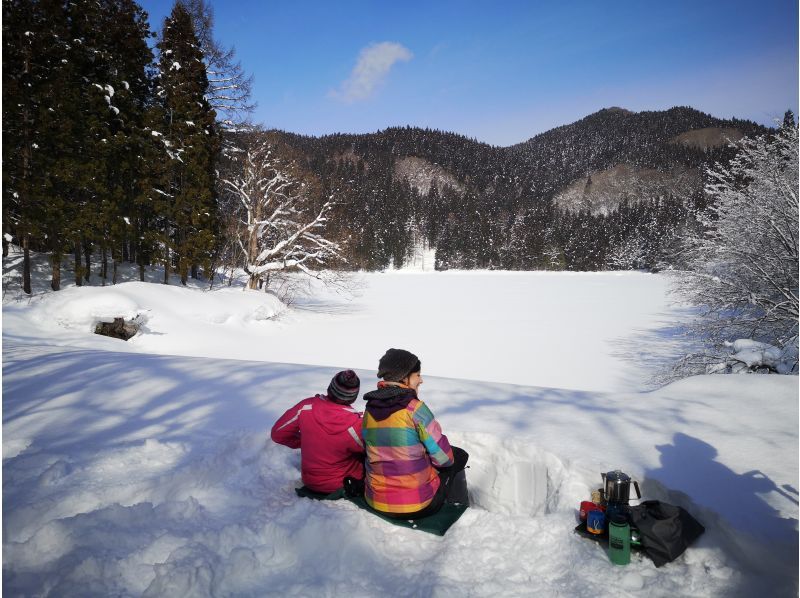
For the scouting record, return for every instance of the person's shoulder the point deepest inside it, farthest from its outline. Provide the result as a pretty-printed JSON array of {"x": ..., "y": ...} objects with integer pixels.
[
  {"x": 350, "y": 410},
  {"x": 307, "y": 403},
  {"x": 418, "y": 408}
]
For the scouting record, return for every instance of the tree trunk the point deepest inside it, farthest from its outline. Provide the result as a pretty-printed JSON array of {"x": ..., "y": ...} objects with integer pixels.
[
  {"x": 104, "y": 269},
  {"x": 114, "y": 272},
  {"x": 166, "y": 268},
  {"x": 26, "y": 266},
  {"x": 5, "y": 246},
  {"x": 209, "y": 273},
  {"x": 125, "y": 254},
  {"x": 194, "y": 271},
  {"x": 253, "y": 282},
  {"x": 141, "y": 272},
  {"x": 87, "y": 252},
  {"x": 55, "y": 262},
  {"x": 78, "y": 268}
]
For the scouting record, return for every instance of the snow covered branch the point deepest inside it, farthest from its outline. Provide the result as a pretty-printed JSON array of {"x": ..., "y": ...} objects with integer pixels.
[
  {"x": 743, "y": 270},
  {"x": 278, "y": 229}
]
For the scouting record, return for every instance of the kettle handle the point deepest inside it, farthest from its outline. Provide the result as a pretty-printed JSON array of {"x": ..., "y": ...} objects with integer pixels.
[{"x": 636, "y": 485}]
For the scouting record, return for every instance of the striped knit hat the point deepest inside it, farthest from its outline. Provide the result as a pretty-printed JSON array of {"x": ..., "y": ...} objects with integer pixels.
[{"x": 344, "y": 387}]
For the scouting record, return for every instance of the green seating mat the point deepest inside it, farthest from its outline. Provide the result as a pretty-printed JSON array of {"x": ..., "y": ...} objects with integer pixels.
[
  {"x": 437, "y": 524},
  {"x": 304, "y": 492}
]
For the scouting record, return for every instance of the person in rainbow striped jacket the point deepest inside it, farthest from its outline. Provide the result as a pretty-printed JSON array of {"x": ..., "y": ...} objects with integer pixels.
[{"x": 411, "y": 469}]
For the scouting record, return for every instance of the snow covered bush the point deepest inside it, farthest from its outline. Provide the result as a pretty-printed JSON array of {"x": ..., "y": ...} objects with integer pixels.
[
  {"x": 748, "y": 356},
  {"x": 743, "y": 265}
]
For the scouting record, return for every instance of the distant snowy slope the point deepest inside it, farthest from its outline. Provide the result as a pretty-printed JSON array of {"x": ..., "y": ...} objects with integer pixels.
[{"x": 129, "y": 474}]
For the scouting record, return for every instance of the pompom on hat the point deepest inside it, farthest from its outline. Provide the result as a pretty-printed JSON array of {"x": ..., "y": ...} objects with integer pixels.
[
  {"x": 344, "y": 387},
  {"x": 397, "y": 364}
]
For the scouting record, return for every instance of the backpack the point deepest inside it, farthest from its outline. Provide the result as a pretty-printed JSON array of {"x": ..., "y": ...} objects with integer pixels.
[{"x": 666, "y": 530}]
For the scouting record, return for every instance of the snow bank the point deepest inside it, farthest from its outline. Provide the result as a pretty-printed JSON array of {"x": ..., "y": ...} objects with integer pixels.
[
  {"x": 173, "y": 319},
  {"x": 153, "y": 475},
  {"x": 83, "y": 309}
]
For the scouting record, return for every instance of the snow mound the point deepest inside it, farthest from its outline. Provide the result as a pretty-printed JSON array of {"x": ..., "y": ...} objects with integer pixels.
[
  {"x": 750, "y": 355},
  {"x": 83, "y": 308},
  {"x": 171, "y": 318}
]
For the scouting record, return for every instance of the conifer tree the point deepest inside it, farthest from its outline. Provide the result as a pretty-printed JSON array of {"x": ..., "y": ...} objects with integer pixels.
[
  {"x": 129, "y": 173},
  {"x": 192, "y": 144},
  {"x": 23, "y": 38},
  {"x": 39, "y": 101}
]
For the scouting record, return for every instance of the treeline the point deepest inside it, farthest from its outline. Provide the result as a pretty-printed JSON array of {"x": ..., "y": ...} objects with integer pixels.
[
  {"x": 106, "y": 150},
  {"x": 495, "y": 208}
]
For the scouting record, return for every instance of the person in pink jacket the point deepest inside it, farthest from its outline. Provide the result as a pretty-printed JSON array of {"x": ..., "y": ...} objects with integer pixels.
[{"x": 327, "y": 430}]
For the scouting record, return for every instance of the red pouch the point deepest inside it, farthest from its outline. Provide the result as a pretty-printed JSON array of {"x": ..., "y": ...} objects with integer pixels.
[{"x": 587, "y": 506}]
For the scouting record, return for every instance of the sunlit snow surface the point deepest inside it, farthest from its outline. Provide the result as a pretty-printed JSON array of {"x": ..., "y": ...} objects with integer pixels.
[{"x": 144, "y": 468}]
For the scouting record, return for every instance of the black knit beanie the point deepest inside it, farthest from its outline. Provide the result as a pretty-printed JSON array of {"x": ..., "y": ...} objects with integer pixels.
[
  {"x": 344, "y": 387},
  {"x": 396, "y": 364}
]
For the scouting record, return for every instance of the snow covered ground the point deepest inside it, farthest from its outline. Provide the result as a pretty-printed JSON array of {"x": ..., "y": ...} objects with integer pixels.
[{"x": 144, "y": 468}]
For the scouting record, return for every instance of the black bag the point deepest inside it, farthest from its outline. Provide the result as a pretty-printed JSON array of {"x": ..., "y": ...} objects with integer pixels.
[{"x": 666, "y": 530}]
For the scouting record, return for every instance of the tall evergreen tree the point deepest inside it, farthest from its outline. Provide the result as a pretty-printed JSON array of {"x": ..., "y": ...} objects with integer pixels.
[
  {"x": 192, "y": 144},
  {"x": 129, "y": 174},
  {"x": 24, "y": 38}
]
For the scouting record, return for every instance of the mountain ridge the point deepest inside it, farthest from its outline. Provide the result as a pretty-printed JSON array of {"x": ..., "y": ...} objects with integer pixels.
[{"x": 528, "y": 205}]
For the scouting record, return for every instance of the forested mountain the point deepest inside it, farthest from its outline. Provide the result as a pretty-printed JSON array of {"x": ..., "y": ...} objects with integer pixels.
[
  {"x": 609, "y": 191},
  {"x": 116, "y": 150}
]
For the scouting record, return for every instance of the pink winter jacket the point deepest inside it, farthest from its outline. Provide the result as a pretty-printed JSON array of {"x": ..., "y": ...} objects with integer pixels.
[{"x": 329, "y": 438}]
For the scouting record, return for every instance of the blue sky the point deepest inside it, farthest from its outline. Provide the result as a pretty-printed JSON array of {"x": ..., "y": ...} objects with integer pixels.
[{"x": 502, "y": 72}]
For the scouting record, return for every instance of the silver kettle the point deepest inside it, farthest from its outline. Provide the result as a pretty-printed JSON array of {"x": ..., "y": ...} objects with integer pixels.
[{"x": 617, "y": 487}]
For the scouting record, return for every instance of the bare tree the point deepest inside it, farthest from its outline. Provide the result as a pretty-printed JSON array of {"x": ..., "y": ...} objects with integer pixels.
[
  {"x": 230, "y": 88},
  {"x": 276, "y": 226},
  {"x": 743, "y": 270}
]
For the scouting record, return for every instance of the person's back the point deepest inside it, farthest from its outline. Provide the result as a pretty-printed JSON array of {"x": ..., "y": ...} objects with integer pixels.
[
  {"x": 404, "y": 442},
  {"x": 410, "y": 465},
  {"x": 327, "y": 430}
]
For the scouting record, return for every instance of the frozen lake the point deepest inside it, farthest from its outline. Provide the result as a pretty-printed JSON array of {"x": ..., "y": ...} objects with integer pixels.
[{"x": 586, "y": 331}]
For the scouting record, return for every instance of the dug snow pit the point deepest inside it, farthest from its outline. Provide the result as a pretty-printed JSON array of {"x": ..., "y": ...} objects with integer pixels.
[
  {"x": 510, "y": 477},
  {"x": 118, "y": 328}
]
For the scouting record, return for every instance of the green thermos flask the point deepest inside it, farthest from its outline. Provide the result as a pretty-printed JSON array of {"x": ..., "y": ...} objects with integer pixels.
[{"x": 619, "y": 540}]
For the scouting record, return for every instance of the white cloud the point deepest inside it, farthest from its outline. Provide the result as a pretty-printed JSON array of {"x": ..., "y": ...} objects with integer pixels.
[{"x": 374, "y": 63}]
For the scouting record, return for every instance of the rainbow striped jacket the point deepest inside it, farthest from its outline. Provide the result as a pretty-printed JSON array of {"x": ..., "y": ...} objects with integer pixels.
[{"x": 404, "y": 445}]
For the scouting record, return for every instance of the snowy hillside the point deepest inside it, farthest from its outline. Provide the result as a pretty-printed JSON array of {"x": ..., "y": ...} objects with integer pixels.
[{"x": 145, "y": 468}]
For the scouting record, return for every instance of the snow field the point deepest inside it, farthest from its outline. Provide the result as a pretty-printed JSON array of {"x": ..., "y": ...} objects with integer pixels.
[
  {"x": 145, "y": 468},
  {"x": 165, "y": 490},
  {"x": 533, "y": 328},
  {"x": 248, "y": 534}
]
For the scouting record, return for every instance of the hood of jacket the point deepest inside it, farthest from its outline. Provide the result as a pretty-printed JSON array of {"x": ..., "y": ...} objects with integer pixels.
[
  {"x": 388, "y": 399},
  {"x": 332, "y": 417}
]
